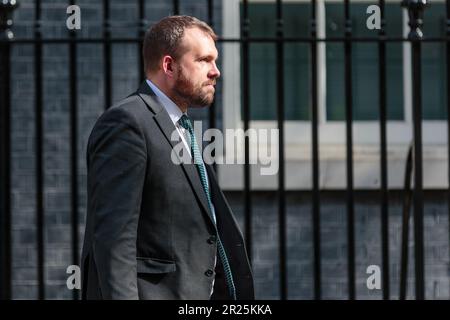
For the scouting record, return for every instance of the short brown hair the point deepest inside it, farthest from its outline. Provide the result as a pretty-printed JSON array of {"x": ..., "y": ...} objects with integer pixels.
[{"x": 164, "y": 38}]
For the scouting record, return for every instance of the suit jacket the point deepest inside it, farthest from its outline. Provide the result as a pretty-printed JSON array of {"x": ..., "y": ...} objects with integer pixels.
[{"x": 149, "y": 234}]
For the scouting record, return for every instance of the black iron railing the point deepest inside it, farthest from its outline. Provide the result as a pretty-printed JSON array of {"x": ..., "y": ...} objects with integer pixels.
[{"x": 415, "y": 9}]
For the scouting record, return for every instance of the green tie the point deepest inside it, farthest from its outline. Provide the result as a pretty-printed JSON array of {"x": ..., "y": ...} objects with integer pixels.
[{"x": 198, "y": 161}]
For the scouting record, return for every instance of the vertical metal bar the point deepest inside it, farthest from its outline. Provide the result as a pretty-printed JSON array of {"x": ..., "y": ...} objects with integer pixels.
[
  {"x": 315, "y": 156},
  {"x": 141, "y": 33},
  {"x": 73, "y": 149},
  {"x": 415, "y": 13},
  {"x": 280, "y": 120},
  {"x": 418, "y": 180},
  {"x": 383, "y": 155},
  {"x": 210, "y": 12},
  {"x": 245, "y": 23},
  {"x": 176, "y": 7},
  {"x": 5, "y": 173},
  {"x": 405, "y": 226},
  {"x": 107, "y": 54},
  {"x": 39, "y": 119},
  {"x": 212, "y": 108},
  {"x": 6, "y": 10},
  {"x": 349, "y": 131},
  {"x": 448, "y": 108}
]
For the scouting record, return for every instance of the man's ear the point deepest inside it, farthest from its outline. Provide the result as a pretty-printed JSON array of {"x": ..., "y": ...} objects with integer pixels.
[{"x": 168, "y": 66}]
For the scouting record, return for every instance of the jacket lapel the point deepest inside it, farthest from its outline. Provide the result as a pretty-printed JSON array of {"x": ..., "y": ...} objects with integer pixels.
[{"x": 166, "y": 125}]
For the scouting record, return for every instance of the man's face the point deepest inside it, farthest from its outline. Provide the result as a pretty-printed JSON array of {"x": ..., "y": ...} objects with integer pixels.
[{"x": 196, "y": 70}]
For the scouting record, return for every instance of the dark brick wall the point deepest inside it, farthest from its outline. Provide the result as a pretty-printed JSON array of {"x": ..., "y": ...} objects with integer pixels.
[
  {"x": 91, "y": 103},
  {"x": 333, "y": 216}
]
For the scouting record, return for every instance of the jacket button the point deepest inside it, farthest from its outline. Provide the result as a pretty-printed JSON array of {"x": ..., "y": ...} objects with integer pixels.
[
  {"x": 212, "y": 239},
  {"x": 209, "y": 273}
]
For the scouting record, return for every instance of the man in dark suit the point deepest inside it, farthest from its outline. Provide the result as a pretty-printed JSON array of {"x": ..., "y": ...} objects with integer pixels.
[{"x": 158, "y": 229}]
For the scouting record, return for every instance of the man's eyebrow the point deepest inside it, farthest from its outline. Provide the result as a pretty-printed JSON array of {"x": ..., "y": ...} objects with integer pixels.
[{"x": 207, "y": 56}]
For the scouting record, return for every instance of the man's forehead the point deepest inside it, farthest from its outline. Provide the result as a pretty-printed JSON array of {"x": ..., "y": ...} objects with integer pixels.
[
  {"x": 199, "y": 41},
  {"x": 195, "y": 32}
]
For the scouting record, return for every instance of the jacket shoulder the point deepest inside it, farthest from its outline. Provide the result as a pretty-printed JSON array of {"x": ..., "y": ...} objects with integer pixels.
[
  {"x": 130, "y": 111},
  {"x": 131, "y": 105}
]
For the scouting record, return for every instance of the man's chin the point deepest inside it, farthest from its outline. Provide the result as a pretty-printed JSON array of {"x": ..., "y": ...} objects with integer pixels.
[
  {"x": 203, "y": 104},
  {"x": 198, "y": 106}
]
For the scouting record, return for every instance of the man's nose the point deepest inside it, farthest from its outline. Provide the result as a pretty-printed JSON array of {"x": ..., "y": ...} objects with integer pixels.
[{"x": 215, "y": 72}]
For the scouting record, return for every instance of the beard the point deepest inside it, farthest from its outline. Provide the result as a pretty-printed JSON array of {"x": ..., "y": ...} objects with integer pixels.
[{"x": 194, "y": 94}]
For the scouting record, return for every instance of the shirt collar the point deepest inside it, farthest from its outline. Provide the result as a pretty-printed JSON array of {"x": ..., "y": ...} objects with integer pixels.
[{"x": 172, "y": 109}]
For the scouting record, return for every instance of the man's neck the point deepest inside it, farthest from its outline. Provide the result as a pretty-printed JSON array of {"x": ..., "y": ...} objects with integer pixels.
[{"x": 181, "y": 104}]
